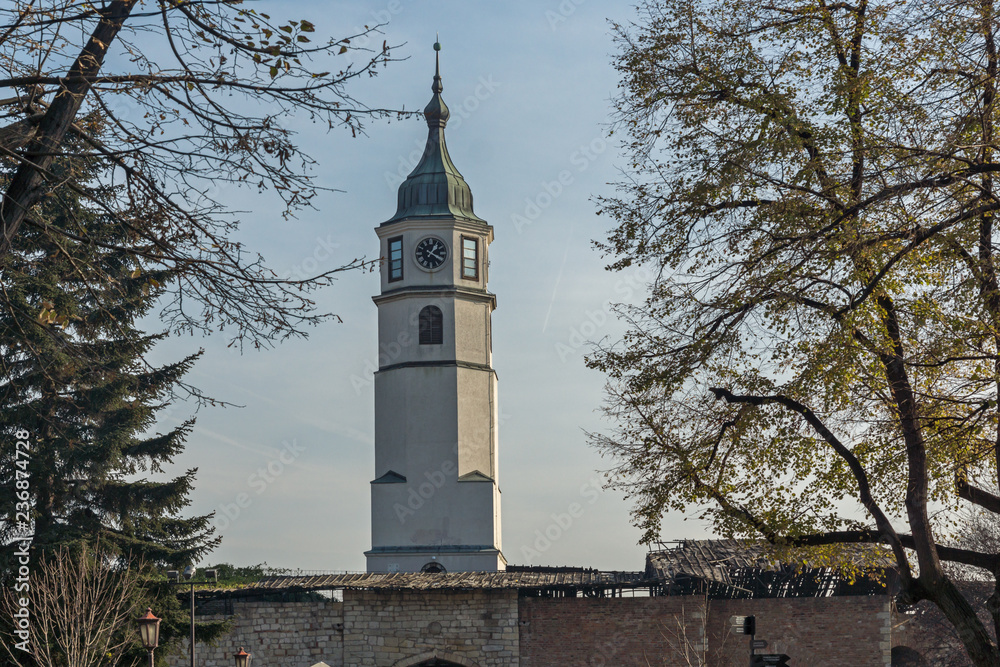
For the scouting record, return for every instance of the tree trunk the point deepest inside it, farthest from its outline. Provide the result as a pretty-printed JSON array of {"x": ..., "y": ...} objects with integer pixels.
[
  {"x": 27, "y": 186},
  {"x": 982, "y": 651}
]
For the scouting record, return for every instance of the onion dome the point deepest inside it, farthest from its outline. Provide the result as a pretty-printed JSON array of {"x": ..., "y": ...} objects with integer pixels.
[{"x": 435, "y": 188}]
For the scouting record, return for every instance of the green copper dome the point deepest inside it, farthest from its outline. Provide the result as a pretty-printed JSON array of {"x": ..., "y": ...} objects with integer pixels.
[{"x": 435, "y": 188}]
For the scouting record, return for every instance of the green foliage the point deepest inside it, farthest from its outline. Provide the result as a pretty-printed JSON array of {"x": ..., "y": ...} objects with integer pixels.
[
  {"x": 817, "y": 361},
  {"x": 233, "y": 575},
  {"x": 238, "y": 576},
  {"x": 73, "y": 377}
]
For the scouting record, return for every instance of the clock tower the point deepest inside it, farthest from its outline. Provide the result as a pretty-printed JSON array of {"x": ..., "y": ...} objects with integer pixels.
[{"x": 435, "y": 496}]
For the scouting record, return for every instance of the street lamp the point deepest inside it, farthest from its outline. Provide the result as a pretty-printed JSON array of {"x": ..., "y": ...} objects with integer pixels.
[
  {"x": 149, "y": 632},
  {"x": 242, "y": 658},
  {"x": 173, "y": 577}
]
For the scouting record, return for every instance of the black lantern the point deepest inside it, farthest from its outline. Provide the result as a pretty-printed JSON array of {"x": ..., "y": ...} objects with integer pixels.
[
  {"x": 149, "y": 630},
  {"x": 242, "y": 658}
]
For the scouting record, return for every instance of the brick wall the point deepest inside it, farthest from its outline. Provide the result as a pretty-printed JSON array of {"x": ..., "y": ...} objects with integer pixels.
[
  {"x": 676, "y": 631},
  {"x": 615, "y": 631},
  {"x": 816, "y": 632}
]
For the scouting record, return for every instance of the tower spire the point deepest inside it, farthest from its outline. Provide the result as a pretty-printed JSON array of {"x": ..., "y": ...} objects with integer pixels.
[
  {"x": 436, "y": 112},
  {"x": 436, "y": 86},
  {"x": 435, "y": 187}
]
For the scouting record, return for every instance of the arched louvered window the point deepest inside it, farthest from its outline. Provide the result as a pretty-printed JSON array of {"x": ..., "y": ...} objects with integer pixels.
[
  {"x": 431, "y": 325},
  {"x": 434, "y": 568}
]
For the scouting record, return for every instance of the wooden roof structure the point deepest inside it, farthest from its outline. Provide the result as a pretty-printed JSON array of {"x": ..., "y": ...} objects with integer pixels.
[
  {"x": 711, "y": 560},
  {"x": 718, "y": 568},
  {"x": 522, "y": 579},
  {"x": 746, "y": 569}
]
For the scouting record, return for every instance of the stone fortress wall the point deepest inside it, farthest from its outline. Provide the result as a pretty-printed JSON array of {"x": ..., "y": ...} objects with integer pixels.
[{"x": 490, "y": 628}]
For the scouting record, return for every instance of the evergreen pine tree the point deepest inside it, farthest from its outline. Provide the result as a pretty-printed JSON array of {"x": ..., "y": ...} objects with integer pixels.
[{"x": 74, "y": 379}]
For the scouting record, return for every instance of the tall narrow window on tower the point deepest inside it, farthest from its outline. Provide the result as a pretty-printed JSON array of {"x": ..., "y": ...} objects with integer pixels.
[
  {"x": 395, "y": 258},
  {"x": 431, "y": 325},
  {"x": 470, "y": 258}
]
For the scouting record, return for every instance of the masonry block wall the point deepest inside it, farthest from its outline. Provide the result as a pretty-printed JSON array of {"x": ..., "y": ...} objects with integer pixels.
[
  {"x": 289, "y": 634},
  {"x": 371, "y": 629},
  {"x": 494, "y": 628},
  {"x": 386, "y": 629}
]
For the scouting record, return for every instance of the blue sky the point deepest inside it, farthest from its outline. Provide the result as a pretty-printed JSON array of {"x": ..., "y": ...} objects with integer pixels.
[{"x": 529, "y": 87}]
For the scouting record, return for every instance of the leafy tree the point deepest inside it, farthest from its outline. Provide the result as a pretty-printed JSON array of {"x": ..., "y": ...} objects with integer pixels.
[
  {"x": 234, "y": 575},
  {"x": 238, "y": 576},
  {"x": 194, "y": 96},
  {"x": 74, "y": 382},
  {"x": 817, "y": 361}
]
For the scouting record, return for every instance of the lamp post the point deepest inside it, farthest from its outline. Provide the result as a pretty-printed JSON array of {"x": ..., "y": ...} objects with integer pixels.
[
  {"x": 242, "y": 658},
  {"x": 173, "y": 577},
  {"x": 149, "y": 632}
]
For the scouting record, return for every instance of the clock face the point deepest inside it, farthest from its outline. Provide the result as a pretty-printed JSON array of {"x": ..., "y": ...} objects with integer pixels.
[{"x": 431, "y": 253}]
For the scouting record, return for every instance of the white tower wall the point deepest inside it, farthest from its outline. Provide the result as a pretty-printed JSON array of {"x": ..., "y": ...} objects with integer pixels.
[{"x": 436, "y": 495}]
